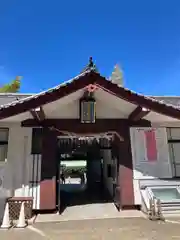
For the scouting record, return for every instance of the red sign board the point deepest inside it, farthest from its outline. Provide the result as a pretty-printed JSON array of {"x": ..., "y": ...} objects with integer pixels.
[{"x": 151, "y": 147}]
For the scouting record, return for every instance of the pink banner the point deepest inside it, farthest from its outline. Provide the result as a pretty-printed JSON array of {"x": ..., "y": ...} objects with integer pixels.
[{"x": 151, "y": 148}]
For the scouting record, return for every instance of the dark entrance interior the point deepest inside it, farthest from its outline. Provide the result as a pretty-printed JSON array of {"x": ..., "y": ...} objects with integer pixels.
[{"x": 83, "y": 177}]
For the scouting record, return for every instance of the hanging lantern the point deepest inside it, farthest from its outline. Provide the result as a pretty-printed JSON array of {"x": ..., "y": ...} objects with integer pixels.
[{"x": 87, "y": 107}]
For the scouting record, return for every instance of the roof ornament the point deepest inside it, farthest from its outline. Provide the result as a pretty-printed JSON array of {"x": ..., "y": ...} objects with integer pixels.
[
  {"x": 91, "y": 66},
  {"x": 91, "y": 88},
  {"x": 91, "y": 63}
]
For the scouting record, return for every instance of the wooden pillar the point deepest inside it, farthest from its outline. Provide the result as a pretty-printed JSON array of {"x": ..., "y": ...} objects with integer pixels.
[
  {"x": 121, "y": 151},
  {"x": 124, "y": 192},
  {"x": 48, "y": 171},
  {"x": 125, "y": 178}
]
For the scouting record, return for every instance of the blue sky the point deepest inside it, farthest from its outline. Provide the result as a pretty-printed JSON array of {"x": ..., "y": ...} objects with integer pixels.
[{"x": 48, "y": 42}]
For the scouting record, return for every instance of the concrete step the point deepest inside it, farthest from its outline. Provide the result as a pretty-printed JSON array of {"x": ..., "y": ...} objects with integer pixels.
[{"x": 89, "y": 211}]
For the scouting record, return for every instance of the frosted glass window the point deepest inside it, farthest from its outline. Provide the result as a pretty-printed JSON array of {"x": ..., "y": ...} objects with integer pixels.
[
  {"x": 173, "y": 133},
  {"x": 166, "y": 194},
  {"x": 174, "y": 153}
]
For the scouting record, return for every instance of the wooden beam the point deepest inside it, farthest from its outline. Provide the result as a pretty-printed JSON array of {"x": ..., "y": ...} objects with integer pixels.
[
  {"x": 138, "y": 114},
  {"x": 42, "y": 114},
  {"x": 38, "y": 114},
  {"x": 34, "y": 115},
  {"x": 74, "y": 125}
]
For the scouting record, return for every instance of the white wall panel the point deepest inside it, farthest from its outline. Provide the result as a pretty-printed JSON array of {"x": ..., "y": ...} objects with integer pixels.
[
  {"x": 142, "y": 168},
  {"x": 71, "y": 110},
  {"x": 20, "y": 168}
]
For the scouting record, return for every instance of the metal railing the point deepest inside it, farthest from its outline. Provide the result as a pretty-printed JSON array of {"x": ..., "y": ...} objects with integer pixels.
[{"x": 155, "y": 209}]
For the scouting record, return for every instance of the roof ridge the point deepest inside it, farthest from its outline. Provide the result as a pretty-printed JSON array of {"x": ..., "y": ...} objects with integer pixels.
[
  {"x": 16, "y": 94},
  {"x": 104, "y": 83},
  {"x": 170, "y": 96},
  {"x": 48, "y": 90},
  {"x": 148, "y": 97}
]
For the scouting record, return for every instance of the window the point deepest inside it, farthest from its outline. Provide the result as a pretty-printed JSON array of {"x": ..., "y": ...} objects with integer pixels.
[
  {"x": 174, "y": 153},
  {"x": 36, "y": 141},
  {"x": 165, "y": 193},
  {"x": 4, "y": 133},
  {"x": 174, "y": 149}
]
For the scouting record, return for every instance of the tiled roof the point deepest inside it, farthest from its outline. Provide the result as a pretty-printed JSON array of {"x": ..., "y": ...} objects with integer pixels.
[
  {"x": 16, "y": 98},
  {"x": 173, "y": 100},
  {"x": 11, "y": 100},
  {"x": 6, "y": 98}
]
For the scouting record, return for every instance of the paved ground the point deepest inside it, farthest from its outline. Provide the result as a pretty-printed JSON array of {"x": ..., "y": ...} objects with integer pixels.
[
  {"x": 89, "y": 211},
  {"x": 126, "y": 229}
]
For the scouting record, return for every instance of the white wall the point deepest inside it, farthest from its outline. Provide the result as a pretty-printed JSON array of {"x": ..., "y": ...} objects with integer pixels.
[
  {"x": 71, "y": 110},
  {"x": 18, "y": 158},
  {"x": 17, "y": 171},
  {"x": 142, "y": 167},
  {"x": 146, "y": 172}
]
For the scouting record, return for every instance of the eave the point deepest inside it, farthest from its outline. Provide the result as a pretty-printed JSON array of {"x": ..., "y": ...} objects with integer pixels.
[{"x": 80, "y": 82}]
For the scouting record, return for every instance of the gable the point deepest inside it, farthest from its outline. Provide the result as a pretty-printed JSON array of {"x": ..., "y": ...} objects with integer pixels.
[
  {"x": 107, "y": 106},
  {"x": 80, "y": 83}
]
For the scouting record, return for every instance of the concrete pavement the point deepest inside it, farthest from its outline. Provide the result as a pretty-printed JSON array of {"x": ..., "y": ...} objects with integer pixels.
[
  {"x": 89, "y": 211},
  {"x": 119, "y": 228}
]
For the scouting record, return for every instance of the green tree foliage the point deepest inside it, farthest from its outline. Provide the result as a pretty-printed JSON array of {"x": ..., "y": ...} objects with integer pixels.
[{"x": 11, "y": 87}]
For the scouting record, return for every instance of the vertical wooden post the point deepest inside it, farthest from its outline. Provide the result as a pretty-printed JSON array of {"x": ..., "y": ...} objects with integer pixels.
[
  {"x": 125, "y": 177},
  {"x": 48, "y": 171}
]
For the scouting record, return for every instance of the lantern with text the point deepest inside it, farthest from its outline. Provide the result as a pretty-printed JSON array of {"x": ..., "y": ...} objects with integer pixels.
[{"x": 88, "y": 106}]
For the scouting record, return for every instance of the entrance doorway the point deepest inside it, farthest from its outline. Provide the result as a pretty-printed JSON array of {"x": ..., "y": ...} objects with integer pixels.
[{"x": 86, "y": 171}]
